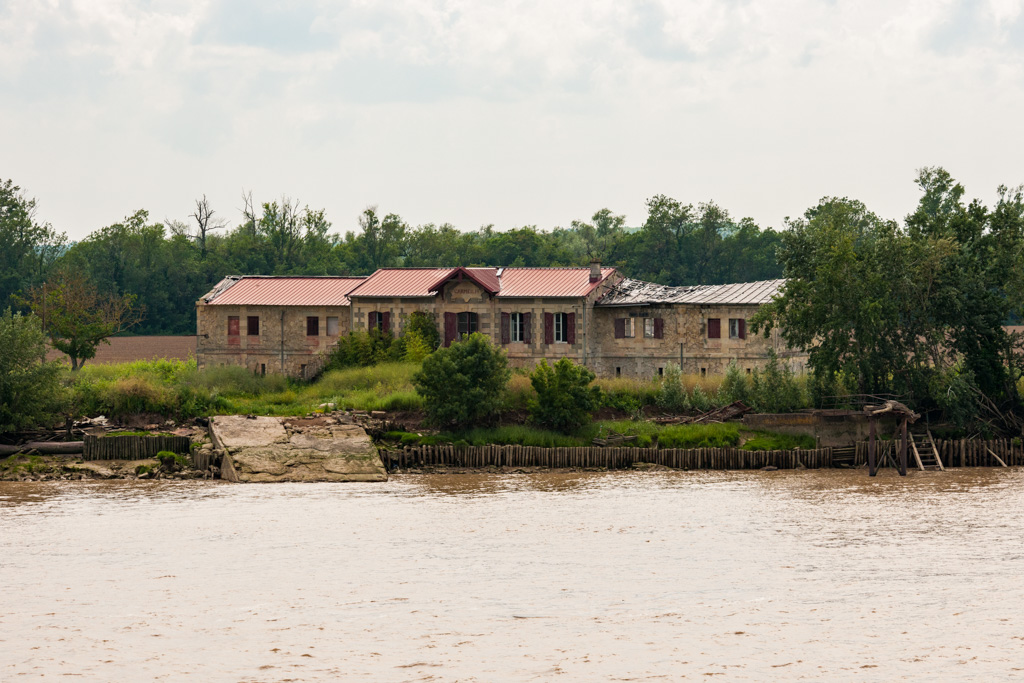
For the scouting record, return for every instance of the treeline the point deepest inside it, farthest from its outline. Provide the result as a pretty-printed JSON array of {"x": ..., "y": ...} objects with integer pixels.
[{"x": 168, "y": 265}]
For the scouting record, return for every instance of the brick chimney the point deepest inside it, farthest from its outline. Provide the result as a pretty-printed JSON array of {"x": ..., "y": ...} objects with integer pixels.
[{"x": 595, "y": 270}]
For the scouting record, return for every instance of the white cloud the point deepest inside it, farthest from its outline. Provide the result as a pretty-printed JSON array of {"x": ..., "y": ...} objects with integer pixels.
[{"x": 515, "y": 112}]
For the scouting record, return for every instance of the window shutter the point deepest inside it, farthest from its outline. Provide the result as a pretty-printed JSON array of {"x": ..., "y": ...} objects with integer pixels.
[
  {"x": 371, "y": 321},
  {"x": 386, "y": 321},
  {"x": 232, "y": 325},
  {"x": 506, "y": 328},
  {"x": 450, "y": 328},
  {"x": 743, "y": 328},
  {"x": 714, "y": 328},
  {"x": 528, "y": 328},
  {"x": 570, "y": 333},
  {"x": 549, "y": 328},
  {"x": 659, "y": 328},
  {"x": 620, "y": 328}
]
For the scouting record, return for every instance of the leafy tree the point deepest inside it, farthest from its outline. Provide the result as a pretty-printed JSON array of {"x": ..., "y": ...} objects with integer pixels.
[
  {"x": 565, "y": 399},
  {"x": 78, "y": 318},
  {"x": 29, "y": 385},
  {"x": 853, "y": 297},
  {"x": 672, "y": 395},
  {"x": 462, "y": 385},
  {"x": 898, "y": 309},
  {"x": 28, "y": 248}
]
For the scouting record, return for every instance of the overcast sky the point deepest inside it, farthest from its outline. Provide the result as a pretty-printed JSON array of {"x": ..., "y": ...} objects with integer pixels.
[{"x": 512, "y": 113}]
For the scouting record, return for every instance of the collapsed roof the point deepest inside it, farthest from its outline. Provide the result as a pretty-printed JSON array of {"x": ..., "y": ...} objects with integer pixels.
[{"x": 630, "y": 292}]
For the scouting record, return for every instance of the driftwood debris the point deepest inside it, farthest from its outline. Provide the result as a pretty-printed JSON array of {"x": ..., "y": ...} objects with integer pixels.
[
  {"x": 613, "y": 439},
  {"x": 894, "y": 407},
  {"x": 729, "y": 412},
  {"x": 45, "y": 447}
]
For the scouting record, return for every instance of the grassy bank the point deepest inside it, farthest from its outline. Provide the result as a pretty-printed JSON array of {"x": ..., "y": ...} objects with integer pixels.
[{"x": 177, "y": 389}]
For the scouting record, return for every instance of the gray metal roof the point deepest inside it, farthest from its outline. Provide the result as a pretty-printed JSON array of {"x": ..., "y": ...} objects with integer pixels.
[{"x": 639, "y": 293}]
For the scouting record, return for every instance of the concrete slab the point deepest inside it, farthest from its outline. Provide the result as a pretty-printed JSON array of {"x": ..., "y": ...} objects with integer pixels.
[{"x": 268, "y": 449}]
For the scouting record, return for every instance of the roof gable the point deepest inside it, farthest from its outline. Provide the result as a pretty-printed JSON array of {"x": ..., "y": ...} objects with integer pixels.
[{"x": 486, "y": 278}]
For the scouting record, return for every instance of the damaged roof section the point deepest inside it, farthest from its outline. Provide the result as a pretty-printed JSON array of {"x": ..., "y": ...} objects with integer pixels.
[{"x": 630, "y": 292}]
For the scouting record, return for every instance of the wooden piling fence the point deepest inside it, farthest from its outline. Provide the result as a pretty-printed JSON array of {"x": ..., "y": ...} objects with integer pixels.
[
  {"x": 133, "y": 447},
  {"x": 612, "y": 458},
  {"x": 959, "y": 452}
]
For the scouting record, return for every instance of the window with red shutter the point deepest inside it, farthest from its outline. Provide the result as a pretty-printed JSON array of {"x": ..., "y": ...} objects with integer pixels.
[
  {"x": 570, "y": 328},
  {"x": 659, "y": 328},
  {"x": 372, "y": 320},
  {"x": 549, "y": 328},
  {"x": 714, "y": 328},
  {"x": 450, "y": 328},
  {"x": 385, "y": 322},
  {"x": 506, "y": 328},
  {"x": 232, "y": 325},
  {"x": 620, "y": 328},
  {"x": 743, "y": 328}
]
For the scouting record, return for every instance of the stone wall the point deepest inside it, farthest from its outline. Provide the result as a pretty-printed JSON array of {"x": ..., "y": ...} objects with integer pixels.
[
  {"x": 265, "y": 353},
  {"x": 685, "y": 342}
]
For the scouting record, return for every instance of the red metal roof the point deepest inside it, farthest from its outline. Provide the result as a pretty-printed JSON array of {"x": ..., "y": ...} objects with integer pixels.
[
  {"x": 571, "y": 282},
  {"x": 485, "y": 277},
  {"x": 262, "y": 290},
  {"x": 408, "y": 282},
  {"x": 507, "y": 282}
]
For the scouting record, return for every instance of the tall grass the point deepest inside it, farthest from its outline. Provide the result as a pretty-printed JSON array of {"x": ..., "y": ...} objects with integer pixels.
[{"x": 178, "y": 389}]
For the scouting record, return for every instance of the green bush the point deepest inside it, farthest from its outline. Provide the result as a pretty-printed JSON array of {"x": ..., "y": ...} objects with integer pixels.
[
  {"x": 700, "y": 400},
  {"x": 735, "y": 386},
  {"x": 672, "y": 395},
  {"x": 172, "y": 462},
  {"x": 463, "y": 385},
  {"x": 416, "y": 348},
  {"x": 423, "y": 325},
  {"x": 565, "y": 398},
  {"x": 956, "y": 392},
  {"x": 775, "y": 390},
  {"x": 30, "y": 390}
]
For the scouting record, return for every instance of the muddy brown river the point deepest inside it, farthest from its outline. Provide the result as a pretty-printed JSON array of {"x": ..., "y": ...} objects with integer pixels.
[{"x": 737, "y": 576}]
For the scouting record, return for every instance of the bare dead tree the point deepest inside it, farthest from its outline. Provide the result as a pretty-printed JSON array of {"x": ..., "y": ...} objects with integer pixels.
[
  {"x": 249, "y": 211},
  {"x": 203, "y": 216}
]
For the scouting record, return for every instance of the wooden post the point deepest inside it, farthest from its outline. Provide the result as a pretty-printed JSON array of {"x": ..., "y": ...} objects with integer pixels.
[
  {"x": 903, "y": 448},
  {"x": 872, "y": 471}
]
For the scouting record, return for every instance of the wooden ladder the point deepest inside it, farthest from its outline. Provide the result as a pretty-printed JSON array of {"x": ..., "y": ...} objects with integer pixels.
[{"x": 927, "y": 458}]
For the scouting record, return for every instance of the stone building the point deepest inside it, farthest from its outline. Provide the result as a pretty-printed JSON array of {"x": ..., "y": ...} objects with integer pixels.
[
  {"x": 615, "y": 326},
  {"x": 272, "y": 324},
  {"x": 642, "y": 327}
]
